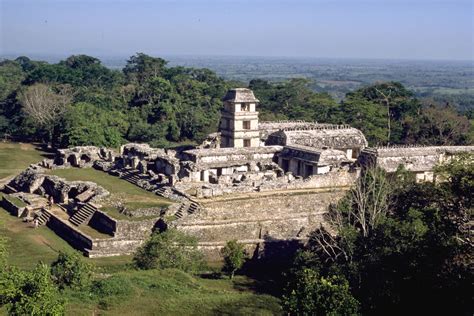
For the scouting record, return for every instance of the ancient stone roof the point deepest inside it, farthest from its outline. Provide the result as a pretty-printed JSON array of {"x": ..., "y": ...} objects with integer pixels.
[
  {"x": 416, "y": 159},
  {"x": 147, "y": 152},
  {"x": 324, "y": 136},
  {"x": 240, "y": 95},
  {"x": 277, "y": 125},
  {"x": 322, "y": 157},
  {"x": 222, "y": 157}
]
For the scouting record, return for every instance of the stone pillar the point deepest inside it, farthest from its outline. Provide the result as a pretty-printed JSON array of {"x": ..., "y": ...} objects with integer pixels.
[
  {"x": 135, "y": 162},
  {"x": 205, "y": 176},
  {"x": 349, "y": 153},
  {"x": 142, "y": 166},
  {"x": 294, "y": 167}
]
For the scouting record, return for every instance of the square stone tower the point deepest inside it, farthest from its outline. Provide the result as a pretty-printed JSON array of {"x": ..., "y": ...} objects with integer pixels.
[{"x": 239, "y": 120}]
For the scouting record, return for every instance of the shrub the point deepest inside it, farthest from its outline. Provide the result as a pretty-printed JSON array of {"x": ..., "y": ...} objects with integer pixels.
[
  {"x": 69, "y": 270},
  {"x": 234, "y": 257},
  {"x": 312, "y": 294},
  {"x": 34, "y": 293},
  {"x": 169, "y": 249}
]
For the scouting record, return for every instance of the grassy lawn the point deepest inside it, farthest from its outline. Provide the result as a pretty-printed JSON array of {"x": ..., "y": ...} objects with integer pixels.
[
  {"x": 27, "y": 245},
  {"x": 15, "y": 157},
  {"x": 173, "y": 292},
  {"x": 133, "y": 196}
]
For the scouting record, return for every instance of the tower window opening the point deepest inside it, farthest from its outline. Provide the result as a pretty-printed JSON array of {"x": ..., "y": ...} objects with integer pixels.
[
  {"x": 246, "y": 142},
  {"x": 245, "y": 107},
  {"x": 246, "y": 124}
]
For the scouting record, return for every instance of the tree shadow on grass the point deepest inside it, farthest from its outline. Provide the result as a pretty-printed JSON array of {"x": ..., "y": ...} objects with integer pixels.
[
  {"x": 46, "y": 152},
  {"x": 268, "y": 266}
]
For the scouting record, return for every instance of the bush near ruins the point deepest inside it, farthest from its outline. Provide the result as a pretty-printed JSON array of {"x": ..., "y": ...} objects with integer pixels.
[
  {"x": 31, "y": 293},
  {"x": 313, "y": 294},
  {"x": 69, "y": 270},
  {"x": 234, "y": 257},
  {"x": 169, "y": 249}
]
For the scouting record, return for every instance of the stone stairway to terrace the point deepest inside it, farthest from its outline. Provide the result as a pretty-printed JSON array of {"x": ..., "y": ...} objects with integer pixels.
[
  {"x": 186, "y": 209},
  {"x": 44, "y": 217},
  {"x": 83, "y": 215},
  {"x": 132, "y": 176}
]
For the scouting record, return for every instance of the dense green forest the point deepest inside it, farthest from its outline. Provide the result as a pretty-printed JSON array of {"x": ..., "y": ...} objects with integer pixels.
[{"x": 79, "y": 101}]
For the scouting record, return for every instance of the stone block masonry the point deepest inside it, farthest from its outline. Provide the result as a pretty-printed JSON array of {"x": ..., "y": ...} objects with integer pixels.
[{"x": 254, "y": 219}]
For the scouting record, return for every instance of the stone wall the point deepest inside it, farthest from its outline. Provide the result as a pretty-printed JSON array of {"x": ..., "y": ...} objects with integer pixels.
[
  {"x": 135, "y": 229},
  {"x": 103, "y": 223},
  {"x": 114, "y": 247},
  {"x": 12, "y": 208},
  {"x": 73, "y": 236},
  {"x": 257, "y": 218}
]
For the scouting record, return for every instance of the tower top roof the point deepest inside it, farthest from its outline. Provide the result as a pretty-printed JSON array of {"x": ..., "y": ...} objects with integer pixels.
[{"x": 240, "y": 95}]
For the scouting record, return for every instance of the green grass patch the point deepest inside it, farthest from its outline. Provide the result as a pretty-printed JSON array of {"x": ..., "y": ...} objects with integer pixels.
[
  {"x": 15, "y": 157},
  {"x": 115, "y": 213},
  {"x": 171, "y": 292},
  {"x": 28, "y": 246},
  {"x": 93, "y": 233},
  {"x": 14, "y": 200}
]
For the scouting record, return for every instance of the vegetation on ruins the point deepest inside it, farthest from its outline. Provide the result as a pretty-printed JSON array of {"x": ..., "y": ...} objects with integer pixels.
[
  {"x": 234, "y": 257},
  {"x": 169, "y": 249},
  {"x": 404, "y": 249},
  {"x": 150, "y": 102}
]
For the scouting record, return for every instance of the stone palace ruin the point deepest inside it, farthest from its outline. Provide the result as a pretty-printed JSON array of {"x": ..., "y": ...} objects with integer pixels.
[{"x": 258, "y": 182}]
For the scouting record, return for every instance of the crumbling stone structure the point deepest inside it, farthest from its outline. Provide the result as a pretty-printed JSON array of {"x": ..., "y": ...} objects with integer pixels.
[
  {"x": 417, "y": 159},
  {"x": 83, "y": 156},
  {"x": 35, "y": 180}
]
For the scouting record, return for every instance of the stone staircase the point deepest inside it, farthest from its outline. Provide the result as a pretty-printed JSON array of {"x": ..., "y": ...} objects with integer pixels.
[
  {"x": 180, "y": 212},
  {"x": 193, "y": 207},
  {"x": 186, "y": 209},
  {"x": 132, "y": 176},
  {"x": 83, "y": 215},
  {"x": 44, "y": 217}
]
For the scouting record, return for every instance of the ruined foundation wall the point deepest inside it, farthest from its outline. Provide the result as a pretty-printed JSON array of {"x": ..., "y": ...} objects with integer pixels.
[
  {"x": 103, "y": 223},
  {"x": 75, "y": 238},
  {"x": 253, "y": 220}
]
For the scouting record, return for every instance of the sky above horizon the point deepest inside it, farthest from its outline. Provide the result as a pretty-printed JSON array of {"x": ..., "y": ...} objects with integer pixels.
[{"x": 388, "y": 29}]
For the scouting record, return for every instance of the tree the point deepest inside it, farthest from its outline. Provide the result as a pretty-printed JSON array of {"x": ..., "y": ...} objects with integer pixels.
[
  {"x": 45, "y": 106},
  {"x": 234, "y": 257},
  {"x": 312, "y": 294},
  {"x": 169, "y": 249},
  {"x": 141, "y": 67},
  {"x": 70, "y": 271},
  {"x": 391, "y": 102},
  {"x": 365, "y": 115},
  {"x": 108, "y": 127},
  {"x": 437, "y": 125},
  {"x": 34, "y": 293}
]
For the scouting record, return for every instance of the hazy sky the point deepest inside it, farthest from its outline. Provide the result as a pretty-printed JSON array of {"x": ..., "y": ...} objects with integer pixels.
[{"x": 412, "y": 29}]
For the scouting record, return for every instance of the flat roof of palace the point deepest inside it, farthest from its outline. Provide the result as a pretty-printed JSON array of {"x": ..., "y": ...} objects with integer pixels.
[{"x": 232, "y": 151}]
